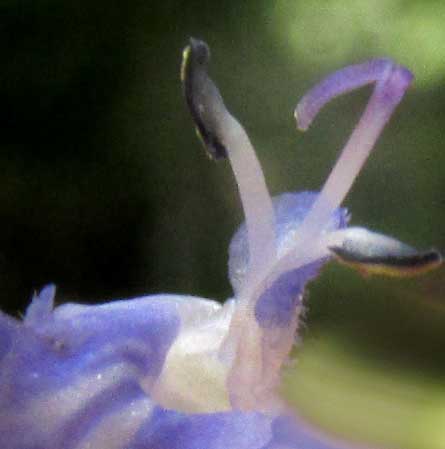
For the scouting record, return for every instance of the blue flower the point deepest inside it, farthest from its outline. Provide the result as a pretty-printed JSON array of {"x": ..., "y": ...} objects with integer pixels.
[{"x": 182, "y": 372}]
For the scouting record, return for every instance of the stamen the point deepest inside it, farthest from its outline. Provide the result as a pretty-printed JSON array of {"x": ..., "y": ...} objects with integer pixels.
[
  {"x": 338, "y": 83},
  {"x": 373, "y": 253},
  {"x": 223, "y": 136},
  {"x": 391, "y": 82}
]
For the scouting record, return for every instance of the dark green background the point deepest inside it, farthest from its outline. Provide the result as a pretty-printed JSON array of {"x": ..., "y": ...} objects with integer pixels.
[{"x": 106, "y": 191}]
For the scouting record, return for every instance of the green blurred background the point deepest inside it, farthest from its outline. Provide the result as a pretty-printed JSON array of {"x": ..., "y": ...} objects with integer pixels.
[{"x": 107, "y": 192}]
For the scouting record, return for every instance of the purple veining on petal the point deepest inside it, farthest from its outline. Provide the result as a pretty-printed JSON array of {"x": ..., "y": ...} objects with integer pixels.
[
  {"x": 96, "y": 409},
  {"x": 72, "y": 360},
  {"x": 139, "y": 330},
  {"x": 168, "y": 429},
  {"x": 133, "y": 356},
  {"x": 94, "y": 338}
]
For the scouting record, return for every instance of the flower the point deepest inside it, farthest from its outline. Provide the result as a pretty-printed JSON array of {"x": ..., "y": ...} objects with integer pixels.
[{"x": 182, "y": 372}]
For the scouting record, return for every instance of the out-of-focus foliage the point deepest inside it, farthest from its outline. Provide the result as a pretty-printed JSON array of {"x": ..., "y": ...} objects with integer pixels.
[
  {"x": 107, "y": 192},
  {"x": 367, "y": 400},
  {"x": 411, "y": 32}
]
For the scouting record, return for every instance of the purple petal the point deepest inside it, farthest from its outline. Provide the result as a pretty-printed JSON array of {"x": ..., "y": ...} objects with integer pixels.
[
  {"x": 289, "y": 432},
  {"x": 276, "y": 306},
  {"x": 61, "y": 379},
  {"x": 7, "y": 333},
  {"x": 41, "y": 307},
  {"x": 168, "y": 429},
  {"x": 289, "y": 210},
  {"x": 97, "y": 415}
]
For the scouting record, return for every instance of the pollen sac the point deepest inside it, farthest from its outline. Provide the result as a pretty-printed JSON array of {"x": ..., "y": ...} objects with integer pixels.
[
  {"x": 373, "y": 253},
  {"x": 203, "y": 99}
]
